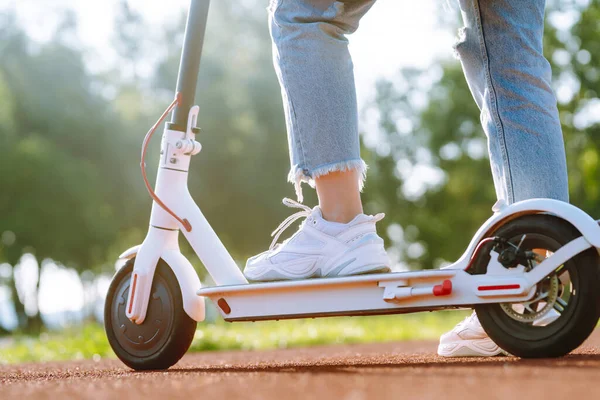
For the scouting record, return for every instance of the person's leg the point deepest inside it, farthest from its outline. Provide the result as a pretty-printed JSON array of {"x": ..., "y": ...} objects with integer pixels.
[
  {"x": 501, "y": 52},
  {"x": 339, "y": 195},
  {"x": 500, "y": 49},
  {"x": 315, "y": 71}
]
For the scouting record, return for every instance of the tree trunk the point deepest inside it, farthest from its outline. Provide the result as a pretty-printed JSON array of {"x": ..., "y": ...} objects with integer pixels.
[{"x": 28, "y": 324}]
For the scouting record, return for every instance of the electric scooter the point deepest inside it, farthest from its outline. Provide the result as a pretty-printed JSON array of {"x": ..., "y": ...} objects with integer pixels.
[{"x": 528, "y": 259}]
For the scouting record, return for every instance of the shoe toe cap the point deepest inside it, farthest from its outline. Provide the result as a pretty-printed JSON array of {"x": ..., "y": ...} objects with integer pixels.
[
  {"x": 259, "y": 258},
  {"x": 257, "y": 267},
  {"x": 253, "y": 271},
  {"x": 449, "y": 337}
]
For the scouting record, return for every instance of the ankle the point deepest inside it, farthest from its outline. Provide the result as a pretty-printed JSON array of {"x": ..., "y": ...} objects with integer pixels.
[
  {"x": 339, "y": 195},
  {"x": 342, "y": 216}
]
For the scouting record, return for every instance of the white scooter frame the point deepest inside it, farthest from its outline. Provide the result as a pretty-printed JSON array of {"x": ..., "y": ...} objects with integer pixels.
[
  {"x": 237, "y": 300},
  {"x": 400, "y": 292}
]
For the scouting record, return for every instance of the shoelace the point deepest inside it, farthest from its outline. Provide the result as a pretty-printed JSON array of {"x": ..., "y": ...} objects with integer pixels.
[{"x": 306, "y": 211}]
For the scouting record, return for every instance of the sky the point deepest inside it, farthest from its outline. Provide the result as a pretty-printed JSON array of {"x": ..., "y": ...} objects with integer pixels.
[{"x": 394, "y": 34}]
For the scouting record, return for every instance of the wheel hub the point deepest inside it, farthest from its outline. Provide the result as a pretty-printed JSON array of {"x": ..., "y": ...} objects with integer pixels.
[
  {"x": 545, "y": 298},
  {"x": 143, "y": 340}
]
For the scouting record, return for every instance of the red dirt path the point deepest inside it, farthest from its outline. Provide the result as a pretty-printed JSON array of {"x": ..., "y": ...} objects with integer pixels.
[{"x": 406, "y": 370}]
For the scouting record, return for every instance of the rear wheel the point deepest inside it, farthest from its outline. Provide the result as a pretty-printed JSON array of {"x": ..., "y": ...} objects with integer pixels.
[
  {"x": 565, "y": 308},
  {"x": 167, "y": 331}
]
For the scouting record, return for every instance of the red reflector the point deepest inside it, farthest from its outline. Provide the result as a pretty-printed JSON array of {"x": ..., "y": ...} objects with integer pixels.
[
  {"x": 224, "y": 306},
  {"x": 444, "y": 289},
  {"x": 133, "y": 292},
  {"x": 499, "y": 287}
]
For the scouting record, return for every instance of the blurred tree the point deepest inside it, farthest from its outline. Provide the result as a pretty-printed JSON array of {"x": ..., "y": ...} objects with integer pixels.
[
  {"x": 130, "y": 32},
  {"x": 63, "y": 194},
  {"x": 438, "y": 143},
  {"x": 63, "y": 188},
  {"x": 69, "y": 141},
  {"x": 576, "y": 61}
]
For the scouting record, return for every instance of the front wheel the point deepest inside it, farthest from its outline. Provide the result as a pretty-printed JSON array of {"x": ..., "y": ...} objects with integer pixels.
[
  {"x": 565, "y": 308},
  {"x": 167, "y": 331}
]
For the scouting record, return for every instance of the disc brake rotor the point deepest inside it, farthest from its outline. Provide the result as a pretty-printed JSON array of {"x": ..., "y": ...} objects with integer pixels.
[{"x": 542, "y": 303}]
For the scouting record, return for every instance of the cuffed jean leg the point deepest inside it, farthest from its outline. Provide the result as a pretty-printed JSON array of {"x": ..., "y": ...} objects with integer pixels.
[
  {"x": 501, "y": 52},
  {"x": 315, "y": 71}
]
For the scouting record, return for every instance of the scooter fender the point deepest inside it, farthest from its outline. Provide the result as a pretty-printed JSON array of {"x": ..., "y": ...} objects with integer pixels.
[
  {"x": 189, "y": 283},
  {"x": 130, "y": 252},
  {"x": 147, "y": 256},
  {"x": 589, "y": 228}
]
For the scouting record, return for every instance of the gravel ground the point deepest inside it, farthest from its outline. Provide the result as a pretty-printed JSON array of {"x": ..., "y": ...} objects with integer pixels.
[{"x": 391, "y": 370}]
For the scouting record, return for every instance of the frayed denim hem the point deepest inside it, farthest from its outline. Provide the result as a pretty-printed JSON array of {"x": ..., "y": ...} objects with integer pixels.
[{"x": 298, "y": 175}]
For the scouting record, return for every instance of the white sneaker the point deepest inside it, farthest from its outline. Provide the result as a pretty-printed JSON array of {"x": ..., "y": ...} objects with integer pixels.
[
  {"x": 321, "y": 249},
  {"x": 468, "y": 339}
]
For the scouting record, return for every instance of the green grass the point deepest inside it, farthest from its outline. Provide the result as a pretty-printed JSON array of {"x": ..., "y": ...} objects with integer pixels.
[{"x": 89, "y": 341}]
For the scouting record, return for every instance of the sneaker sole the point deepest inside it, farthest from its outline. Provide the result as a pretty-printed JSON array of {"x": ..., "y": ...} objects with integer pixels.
[
  {"x": 369, "y": 258},
  {"x": 366, "y": 270},
  {"x": 470, "y": 348},
  {"x": 274, "y": 275}
]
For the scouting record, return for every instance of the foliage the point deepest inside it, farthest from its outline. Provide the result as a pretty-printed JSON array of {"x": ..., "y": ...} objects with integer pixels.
[
  {"x": 69, "y": 140},
  {"x": 83, "y": 342},
  {"x": 77, "y": 149},
  {"x": 62, "y": 189},
  {"x": 440, "y": 137},
  {"x": 432, "y": 225},
  {"x": 90, "y": 341}
]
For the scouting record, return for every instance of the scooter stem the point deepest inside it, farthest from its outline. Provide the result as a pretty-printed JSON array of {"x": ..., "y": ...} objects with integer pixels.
[
  {"x": 173, "y": 207},
  {"x": 190, "y": 63}
]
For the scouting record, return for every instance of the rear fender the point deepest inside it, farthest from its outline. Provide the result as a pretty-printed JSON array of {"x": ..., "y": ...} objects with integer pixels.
[{"x": 589, "y": 228}]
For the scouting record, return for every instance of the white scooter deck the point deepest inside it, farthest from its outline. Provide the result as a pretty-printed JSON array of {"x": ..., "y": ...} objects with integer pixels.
[
  {"x": 355, "y": 295},
  {"x": 391, "y": 293}
]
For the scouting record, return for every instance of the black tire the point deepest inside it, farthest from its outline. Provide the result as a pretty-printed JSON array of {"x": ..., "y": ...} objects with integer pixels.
[
  {"x": 580, "y": 315},
  {"x": 169, "y": 328}
]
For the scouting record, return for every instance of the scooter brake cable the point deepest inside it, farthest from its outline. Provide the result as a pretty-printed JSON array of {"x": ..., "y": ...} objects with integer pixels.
[
  {"x": 186, "y": 224},
  {"x": 478, "y": 249}
]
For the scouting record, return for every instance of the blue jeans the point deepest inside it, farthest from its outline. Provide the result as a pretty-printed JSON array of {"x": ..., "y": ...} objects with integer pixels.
[{"x": 500, "y": 49}]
